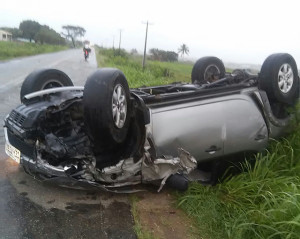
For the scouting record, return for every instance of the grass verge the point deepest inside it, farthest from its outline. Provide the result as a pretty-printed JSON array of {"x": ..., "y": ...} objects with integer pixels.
[
  {"x": 9, "y": 50},
  {"x": 155, "y": 73},
  {"x": 261, "y": 202},
  {"x": 141, "y": 232}
]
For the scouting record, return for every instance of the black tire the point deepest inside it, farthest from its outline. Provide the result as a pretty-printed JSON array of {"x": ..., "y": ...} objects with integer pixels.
[
  {"x": 207, "y": 70},
  {"x": 100, "y": 97},
  {"x": 279, "y": 78},
  {"x": 44, "y": 79}
]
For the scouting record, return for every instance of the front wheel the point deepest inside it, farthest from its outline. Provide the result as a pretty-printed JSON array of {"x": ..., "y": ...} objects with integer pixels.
[
  {"x": 106, "y": 102},
  {"x": 44, "y": 79}
]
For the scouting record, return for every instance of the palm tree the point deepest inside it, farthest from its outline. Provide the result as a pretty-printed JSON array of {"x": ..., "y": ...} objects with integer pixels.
[{"x": 183, "y": 49}]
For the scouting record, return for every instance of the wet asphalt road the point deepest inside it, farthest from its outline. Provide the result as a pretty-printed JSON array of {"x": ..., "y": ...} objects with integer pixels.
[{"x": 32, "y": 209}]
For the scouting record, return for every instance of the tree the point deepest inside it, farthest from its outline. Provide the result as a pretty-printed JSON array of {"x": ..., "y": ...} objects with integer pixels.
[
  {"x": 42, "y": 35},
  {"x": 48, "y": 35},
  {"x": 155, "y": 54},
  {"x": 183, "y": 49},
  {"x": 161, "y": 55},
  {"x": 172, "y": 56},
  {"x": 133, "y": 51},
  {"x": 29, "y": 29},
  {"x": 72, "y": 32}
]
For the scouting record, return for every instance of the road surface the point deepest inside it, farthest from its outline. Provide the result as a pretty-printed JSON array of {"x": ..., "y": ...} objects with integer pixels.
[{"x": 32, "y": 209}]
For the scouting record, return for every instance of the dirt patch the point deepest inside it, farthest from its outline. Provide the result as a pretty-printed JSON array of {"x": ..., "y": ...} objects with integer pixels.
[
  {"x": 158, "y": 215},
  {"x": 7, "y": 165}
]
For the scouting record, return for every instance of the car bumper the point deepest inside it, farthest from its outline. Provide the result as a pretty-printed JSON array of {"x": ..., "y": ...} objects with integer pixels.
[{"x": 55, "y": 175}]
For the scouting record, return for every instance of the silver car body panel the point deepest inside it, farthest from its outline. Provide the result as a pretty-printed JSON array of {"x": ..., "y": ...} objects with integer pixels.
[{"x": 209, "y": 128}]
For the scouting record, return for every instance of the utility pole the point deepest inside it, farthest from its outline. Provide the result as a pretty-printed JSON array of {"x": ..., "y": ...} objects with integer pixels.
[
  {"x": 120, "y": 41},
  {"x": 114, "y": 45},
  {"x": 145, "y": 48}
]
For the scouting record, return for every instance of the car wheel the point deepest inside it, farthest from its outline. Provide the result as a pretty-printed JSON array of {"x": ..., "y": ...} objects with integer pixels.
[
  {"x": 207, "y": 70},
  {"x": 279, "y": 78},
  {"x": 106, "y": 102},
  {"x": 44, "y": 79}
]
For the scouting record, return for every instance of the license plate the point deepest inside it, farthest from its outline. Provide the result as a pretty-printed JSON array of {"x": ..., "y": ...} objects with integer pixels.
[{"x": 12, "y": 152}]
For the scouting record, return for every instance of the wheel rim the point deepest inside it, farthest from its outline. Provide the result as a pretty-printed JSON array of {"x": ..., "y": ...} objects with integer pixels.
[
  {"x": 119, "y": 106},
  {"x": 285, "y": 78},
  {"x": 211, "y": 72},
  {"x": 52, "y": 84}
]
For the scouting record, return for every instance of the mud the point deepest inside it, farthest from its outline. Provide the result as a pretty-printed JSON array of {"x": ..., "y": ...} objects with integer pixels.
[{"x": 159, "y": 216}]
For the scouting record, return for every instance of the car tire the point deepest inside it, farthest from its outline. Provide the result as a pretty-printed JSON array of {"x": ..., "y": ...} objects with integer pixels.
[
  {"x": 44, "y": 79},
  {"x": 106, "y": 102},
  {"x": 207, "y": 70},
  {"x": 279, "y": 79}
]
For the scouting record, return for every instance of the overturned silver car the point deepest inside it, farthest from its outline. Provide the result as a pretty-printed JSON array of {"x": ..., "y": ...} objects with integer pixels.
[{"x": 112, "y": 137}]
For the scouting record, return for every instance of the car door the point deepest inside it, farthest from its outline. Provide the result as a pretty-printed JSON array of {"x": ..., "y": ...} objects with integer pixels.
[
  {"x": 244, "y": 126},
  {"x": 197, "y": 127}
]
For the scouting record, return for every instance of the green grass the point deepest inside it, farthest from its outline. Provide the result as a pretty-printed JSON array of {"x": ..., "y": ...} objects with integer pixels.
[
  {"x": 181, "y": 71},
  {"x": 155, "y": 73},
  {"x": 261, "y": 202},
  {"x": 9, "y": 50}
]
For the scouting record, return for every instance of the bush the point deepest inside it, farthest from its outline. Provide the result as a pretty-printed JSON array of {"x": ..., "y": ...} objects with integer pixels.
[
  {"x": 10, "y": 50},
  {"x": 110, "y": 52},
  {"x": 153, "y": 74}
]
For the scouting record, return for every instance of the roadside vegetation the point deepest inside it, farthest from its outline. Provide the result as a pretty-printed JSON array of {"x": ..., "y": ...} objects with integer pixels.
[
  {"x": 32, "y": 38},
  {"x": 261, "y": 202},
  {"x": 9, "y": 50},
  {"x": 155, "y": 73}
]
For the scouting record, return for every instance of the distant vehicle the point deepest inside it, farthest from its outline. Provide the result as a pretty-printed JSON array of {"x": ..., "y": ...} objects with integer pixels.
[
  {"x": 109, "y": 136},
  {"x": 86, "y": 51}
]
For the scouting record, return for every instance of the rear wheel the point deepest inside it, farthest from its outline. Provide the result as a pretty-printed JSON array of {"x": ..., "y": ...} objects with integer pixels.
[
  {"x": 207, "y": 70},
  {"x": 44, "y": 79},
  {"x": 279, "y": 79},
  {"x": 106, "y": 103}
]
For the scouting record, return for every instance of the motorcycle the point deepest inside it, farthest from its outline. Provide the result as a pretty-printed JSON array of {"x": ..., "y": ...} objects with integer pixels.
[{"x": 86, "y": 54}]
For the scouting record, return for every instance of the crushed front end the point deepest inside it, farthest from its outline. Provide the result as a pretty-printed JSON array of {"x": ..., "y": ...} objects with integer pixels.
[{"x": 48, "y": 138}]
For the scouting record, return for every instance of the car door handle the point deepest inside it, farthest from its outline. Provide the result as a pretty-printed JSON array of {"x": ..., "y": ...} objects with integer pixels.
[
  {"x": 260, "y": 137},
  {"x": 212, "y": 149}
]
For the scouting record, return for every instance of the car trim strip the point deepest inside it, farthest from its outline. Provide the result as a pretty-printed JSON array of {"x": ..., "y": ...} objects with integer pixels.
[{"x": 53, "y": 90}]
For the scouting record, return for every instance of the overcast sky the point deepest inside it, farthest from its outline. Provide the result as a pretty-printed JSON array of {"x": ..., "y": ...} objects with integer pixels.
[{"x": 242, "y": 31}]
